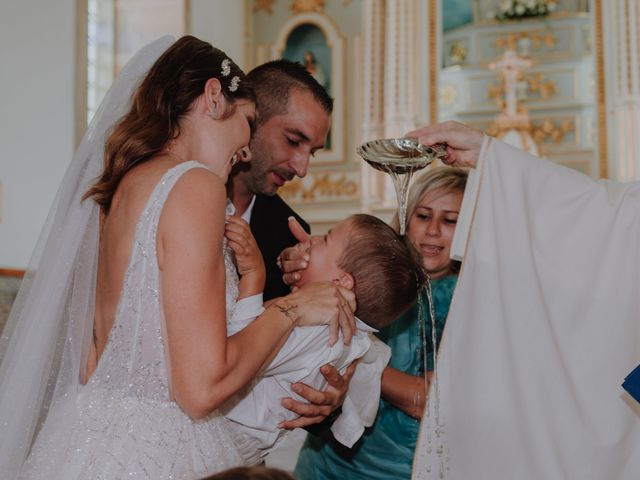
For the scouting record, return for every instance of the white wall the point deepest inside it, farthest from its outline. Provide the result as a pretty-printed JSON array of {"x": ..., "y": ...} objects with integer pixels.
[
  {"x": 37, "y": 48},
  {"x": 37, "y": 40},
  {"x": 221, "y": 23}
]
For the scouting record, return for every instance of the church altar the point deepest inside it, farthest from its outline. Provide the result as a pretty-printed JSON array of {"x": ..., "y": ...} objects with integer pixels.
[{"x": 557, "y": 88}]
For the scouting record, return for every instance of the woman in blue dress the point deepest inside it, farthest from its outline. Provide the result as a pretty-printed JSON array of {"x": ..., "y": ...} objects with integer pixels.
[{"x": 386, "y": 449}]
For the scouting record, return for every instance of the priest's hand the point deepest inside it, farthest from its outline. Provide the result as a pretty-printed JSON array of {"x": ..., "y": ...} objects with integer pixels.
[
  {"x": 463, "y": 142},
  {"x": 323, "y": 406},
  {"x": 294, "y": 259}
]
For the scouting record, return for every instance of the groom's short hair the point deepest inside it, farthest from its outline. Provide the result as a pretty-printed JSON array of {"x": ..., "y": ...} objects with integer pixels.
[
  {"x": 273, "y": 82},
  {"x": 386, "y": 268}
]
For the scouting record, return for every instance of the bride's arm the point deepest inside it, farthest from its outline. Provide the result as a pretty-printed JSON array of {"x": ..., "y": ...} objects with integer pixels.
[{"x": 207, "y": 368}]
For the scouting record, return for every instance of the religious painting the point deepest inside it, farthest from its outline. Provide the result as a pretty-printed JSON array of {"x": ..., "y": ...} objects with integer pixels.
[
  {"x": 307, "y": 44},
  {"x": 313, "y": 40},
  {"x": 456, "y": 14}
]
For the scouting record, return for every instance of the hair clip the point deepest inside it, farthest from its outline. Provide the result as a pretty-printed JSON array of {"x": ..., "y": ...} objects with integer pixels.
[
  {"x": 235, "y": 81},
  {"x": 226, "y": 67}
]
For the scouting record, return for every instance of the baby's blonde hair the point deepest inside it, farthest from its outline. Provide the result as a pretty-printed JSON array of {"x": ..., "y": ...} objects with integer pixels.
[{"x": 386, "y": 269}]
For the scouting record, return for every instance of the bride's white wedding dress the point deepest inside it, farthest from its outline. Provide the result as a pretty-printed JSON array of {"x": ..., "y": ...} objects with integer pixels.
[{"x": 123, "y": 422}]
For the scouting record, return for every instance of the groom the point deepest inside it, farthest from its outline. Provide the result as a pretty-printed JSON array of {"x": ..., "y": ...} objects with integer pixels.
[{"x": 294, "y": 115}]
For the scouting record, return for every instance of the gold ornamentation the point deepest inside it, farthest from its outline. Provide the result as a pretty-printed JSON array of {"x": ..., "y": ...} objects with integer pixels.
[
  {"x": 266, "y": 5},
  {"x": 537, "y": 39},
  {"x": 601, "y": 96},
  {"x": 433, "y": 55},
  {"x": 448, "y": 95},
  {"x": 492, "y": 130},
  {"x": 534, "y": 83},
  {"x": 495, "y": 91},
  {"x": 457, "y": 53},
  {"x": 537, "y": 84},
  {"x": 548, "y": 130},
  {"x": 304, "y": 6},
  {"x": 322, "y": 187}
]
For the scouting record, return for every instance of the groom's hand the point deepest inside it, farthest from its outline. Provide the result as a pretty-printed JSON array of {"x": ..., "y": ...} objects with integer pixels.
[
  {"x": 294, "y": 259},
  {"x": 322, "y": 404}
]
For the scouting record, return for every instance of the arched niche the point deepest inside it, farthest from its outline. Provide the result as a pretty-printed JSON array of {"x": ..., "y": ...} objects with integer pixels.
[{"x": 316, "y": 33}]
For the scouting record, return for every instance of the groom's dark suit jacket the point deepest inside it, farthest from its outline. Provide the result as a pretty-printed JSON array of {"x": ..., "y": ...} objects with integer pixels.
[{"x": 269, "y": 225}]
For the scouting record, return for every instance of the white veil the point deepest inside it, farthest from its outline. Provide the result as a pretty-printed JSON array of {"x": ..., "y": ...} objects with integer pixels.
[{"x": 45, "y": 342}]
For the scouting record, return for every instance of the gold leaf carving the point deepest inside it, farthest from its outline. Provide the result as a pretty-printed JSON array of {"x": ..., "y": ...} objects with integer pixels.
[
  {"x": 448, "y": 94},
  {"x": 322, "y": 187},
  {"x": 304, "y": 6},
  {"x": 266, "y": 5},
  {"x": 538, "y": 84},
  {"x": 457, "y": 53},
  {"x": 549, "y": 130},
  {"x": 537, "y": 39},
  {"x": 495, "y": 91},
  {"x": 533, "y": 84}
]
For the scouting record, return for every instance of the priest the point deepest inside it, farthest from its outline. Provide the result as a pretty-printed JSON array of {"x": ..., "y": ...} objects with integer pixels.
[{"x": 544, "y": 325}]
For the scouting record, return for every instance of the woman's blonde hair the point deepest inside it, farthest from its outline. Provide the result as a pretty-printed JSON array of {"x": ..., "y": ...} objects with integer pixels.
[{"x": 445, "y": 179}]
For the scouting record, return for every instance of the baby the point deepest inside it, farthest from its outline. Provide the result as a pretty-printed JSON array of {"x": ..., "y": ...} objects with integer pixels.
[{"x": 361, "y": 253}]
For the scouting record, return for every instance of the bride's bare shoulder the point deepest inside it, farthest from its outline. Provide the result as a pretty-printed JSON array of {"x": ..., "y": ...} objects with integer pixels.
[
  {"x": 198, "y": 189},
  {"x": 195, "y": 205},
  {"x": 201, "y": 183},
  {"x": 192, "y": 220}
]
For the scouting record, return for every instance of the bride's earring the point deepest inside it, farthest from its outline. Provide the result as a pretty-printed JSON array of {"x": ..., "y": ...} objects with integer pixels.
[{"x": 234, "y": 159}]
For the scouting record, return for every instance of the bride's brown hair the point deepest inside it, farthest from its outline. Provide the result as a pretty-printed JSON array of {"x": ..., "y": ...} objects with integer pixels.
[{"x": 163, "y": 98}]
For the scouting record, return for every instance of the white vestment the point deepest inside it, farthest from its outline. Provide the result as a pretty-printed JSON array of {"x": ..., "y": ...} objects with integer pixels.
[
  {"x": 256, "y": 410},
  {"x": 543, "y": 328}
]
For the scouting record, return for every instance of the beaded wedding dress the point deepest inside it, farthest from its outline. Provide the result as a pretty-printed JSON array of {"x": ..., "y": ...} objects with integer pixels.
[{"x": 124, "y": 423}]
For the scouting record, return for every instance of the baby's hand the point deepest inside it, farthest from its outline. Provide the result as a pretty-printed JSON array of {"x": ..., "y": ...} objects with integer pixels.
[{"x": 241, "y": 241}]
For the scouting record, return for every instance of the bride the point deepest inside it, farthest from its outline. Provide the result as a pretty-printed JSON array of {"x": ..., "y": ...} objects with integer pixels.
[{"x": 115, "y": 356}]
